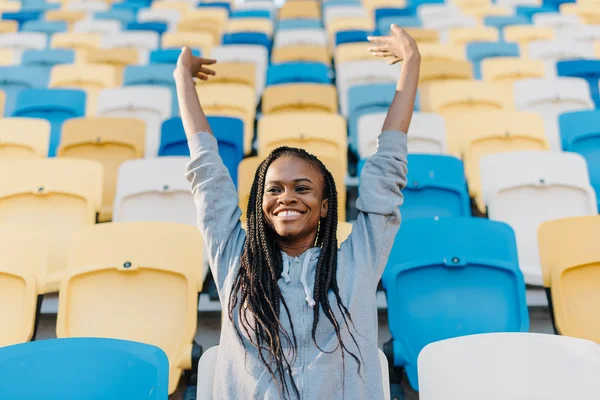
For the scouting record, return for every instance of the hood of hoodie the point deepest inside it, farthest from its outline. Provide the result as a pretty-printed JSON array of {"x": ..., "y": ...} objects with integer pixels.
[{"x": 305, "y": 275}]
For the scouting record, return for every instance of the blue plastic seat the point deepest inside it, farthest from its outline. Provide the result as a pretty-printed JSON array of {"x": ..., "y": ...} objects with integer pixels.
[
  {"x": 14, "y": 79},
  {"x": 216, "y": 4},
  {"x": 556, "y": 3},
  {"x": 451, "y": 277},
  {"x": 153, "y": 26},
  {"x": 364, "y": 99},
  {"x": 385, "y": 12},
  {"x": 409, "y": 21},
  {"x": 228, "y": 131},
  {"x": 39, "y": 6},
  {"x": 529, "y": 11},
  {"x": 155, "y": 74},
  {"x": 47, "y": 27},
  {"x": 84, "y": 368},
  {"x": 501, "y": 21},
  {"x": 298, "y": 72},
  {"x": 288, "y": 24},
  {"x": 580, "y": 133},
  {"x": 251, "y": 14},
  {"x": 169, "y": 56},
  {"x": 259, "y": 38},
  {"x": 48, "y": 58},
  {"x": 127, "y": 6},
  {"x": 124, "y": 16},
  {"x": 333, "y": 3},
  {"x": 54, "y": 105},
  {"x": 414, "y": 4},
  {"x": 478, "y": 51},
  {"x": 21, "y": 16},
  {"x": 351, "y": 36},
  {"x": 585, "y": 69}
]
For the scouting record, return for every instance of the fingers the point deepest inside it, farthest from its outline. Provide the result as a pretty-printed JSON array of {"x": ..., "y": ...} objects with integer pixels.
[
  {"x": 382, "y": 53},
  {"x": 378, "y": 39},
  {"x": 202, "y": 77},
  {"x": 394, "y": 61},
  {"x": 208, "y": 61},
  {"x": 206, "y": 71},
  {"x": 396, "y": 29}
]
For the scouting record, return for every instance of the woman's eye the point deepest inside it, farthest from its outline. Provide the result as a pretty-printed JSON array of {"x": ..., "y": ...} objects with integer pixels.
[
  {"x": 302, "y": 188},
  {"x": 272, "y": 190}
]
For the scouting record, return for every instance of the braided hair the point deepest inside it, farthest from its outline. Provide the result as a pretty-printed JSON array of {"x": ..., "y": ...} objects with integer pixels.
[{"x": 256, "y": 290}]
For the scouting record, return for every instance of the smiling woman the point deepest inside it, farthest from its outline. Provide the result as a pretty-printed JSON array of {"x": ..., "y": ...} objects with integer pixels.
[{"x": 302, "y": 312}]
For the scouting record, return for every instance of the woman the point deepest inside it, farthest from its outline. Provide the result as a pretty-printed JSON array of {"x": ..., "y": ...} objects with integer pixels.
[{"x": 302, "y": 315}]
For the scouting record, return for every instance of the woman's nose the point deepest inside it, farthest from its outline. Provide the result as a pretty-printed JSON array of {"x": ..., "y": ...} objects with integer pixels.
[{"x": 286, "y": 198}]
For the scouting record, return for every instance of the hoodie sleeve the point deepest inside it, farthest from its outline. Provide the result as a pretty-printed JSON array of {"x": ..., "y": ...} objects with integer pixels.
[
  {"x": 216, "y": 202},
  {"x": 382, "y": 179}
]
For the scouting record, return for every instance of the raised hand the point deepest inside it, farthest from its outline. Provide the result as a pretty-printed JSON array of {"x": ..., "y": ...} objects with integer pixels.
[
  {"x": 190, "y": 65},
  {"x": 398, "y": 46}
]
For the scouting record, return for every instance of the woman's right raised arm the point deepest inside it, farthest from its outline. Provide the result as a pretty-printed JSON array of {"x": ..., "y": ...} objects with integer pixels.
[{"x": 214, "y": 192}]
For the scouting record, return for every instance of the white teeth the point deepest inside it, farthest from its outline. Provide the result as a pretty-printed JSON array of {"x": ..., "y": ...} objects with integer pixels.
[{"x": 288, "y": 213}]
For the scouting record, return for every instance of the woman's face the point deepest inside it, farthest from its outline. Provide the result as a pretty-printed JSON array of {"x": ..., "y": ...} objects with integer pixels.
[{"x": 293, "y": 202}]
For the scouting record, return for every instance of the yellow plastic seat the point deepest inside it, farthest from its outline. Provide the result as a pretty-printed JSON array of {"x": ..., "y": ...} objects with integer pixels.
[
  {"x": 299, "y": 97},
  {"x": 23, "y": 259},
  {"x": 300, "y": 9},
  {"x": 322, "y": 134},
  {"x": 487, "y": 10},
  {"x": 76, "y": 41},
  {"x": 422, "y": 35},
  {"x": 463, "y": 95},
  {"x": 9, "y": 26},
  {"x": 232, "y": 72},
  {"x": 24, "y": 138},
  {"x": 111, "y": 141},
  {"x": 440, "y": 70},
  {"x": 119, "y": 58},
  {"x": 231, "y": 100},
  {"x": 441, "y": 52},
  {"x": 9, "y": 6},
  {"x": 84, "y": 76},
  {"x": 587, "y": 13},
  {"x": 182, "y": 6},
  {"x": 460, "y": 36},
  {"x": 7, "y": 56},
  {"x": 371, "y": 5},
  {"x": 249, "y": 165},
  {"x": 196, "y": 40},
  {"x": 135, "y": 281},
  {"x": 347, "y": 23},
  {"x": 471, "y": 135},
  {"x": 510, "y": 69},
  {"x": 302, "y": 52},
  {"x": 570, "y": 259},
  {"x": 352, "y": 52},
  {"x": 61, "y": 195},
  {"x": 523, "y": 34},
  {"x": 208, "y": 20},
  {"x": 250, "y": 25},
  {"x": 68, "y": 16},
  {"x": 465, "y": 5}
]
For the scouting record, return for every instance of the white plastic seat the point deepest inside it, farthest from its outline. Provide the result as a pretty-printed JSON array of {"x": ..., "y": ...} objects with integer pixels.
[
  {"x": 556, "y": 20},
  {"x": 551, "y": 51},
  {"x": 146, "y": 40},
  {"x": 552, "y": 97},
  {"x": 432, "y": 12},
  {"x": 23, "y": 40},
  {"x": 170, "y": 16},
  {"x": 255, "y": 54},
  {"x": 515, "y": 3},
  {"x": 208, "y": 361},
  {"x": 101, "y": 26},
  {"x": 443, "y": 23},
  {"x": 88, "y": 6},
  {"x": 426, "y": 135},
  {"x": 292, "y": 37},
  {"x": 340, "y": 11},
  {"x": 255, "y": 5},
  {"x": 152, "y": 104},
  {"x": 582, "y": 33},
  {"x": 526, "y": 188},
  {"x": 499, "y": 366},
  {"x": 362, "y": 71}
]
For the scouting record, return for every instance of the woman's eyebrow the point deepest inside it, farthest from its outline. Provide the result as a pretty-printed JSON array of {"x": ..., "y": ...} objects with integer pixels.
[{"x": 278, "y": 182}]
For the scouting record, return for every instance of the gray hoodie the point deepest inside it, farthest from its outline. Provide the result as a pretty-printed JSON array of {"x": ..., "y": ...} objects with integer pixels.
[{"x": 361, "y": 260}]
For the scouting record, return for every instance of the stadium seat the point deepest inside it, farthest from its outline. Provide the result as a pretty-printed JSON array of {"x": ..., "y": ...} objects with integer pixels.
[
  {"x": 116, "y": 58},
  {"x": 68, "y": 16},
  {"x": 2, "y": 102},
  {"x": 308, "y": 9},
  {"x": 205, "y": 21},
  {"x": 462, "y": 95},
  {"x": 351, "y": 36},
  {"x": 84, "y": 367},
  {"x": 158, "y": 27},
  {"x": 196, "y": 40},
  {"x": 299, "y": 97},
  {"x": 551, "y": 97},
  {"x": 76, "y": 41},
  {"x": 257, "y": 13},
  {"x": 441, "y": 52},
  {"x": 9, "y": 26},
  {"x": 182, "y": 6},
  {"x": 533, "y": 365},
  {"x": 127, "y": 279},
  {"x": 233, "y": 72},
  {"x": 479, "y": 51},
  {"x": 524, "y": 34},
  {"x": 291, "y": 24},
  {"x": 461, "y": 36},
  {"x": 569, "y": 257},
  {"x": 500, "y": 22},
  {"x": 510, "y": 69},
  {"x": 23, "y": 40},
  {"x": 21, "y": 16},
  {"x": 169, "y": 56},
  {"x": 255, "y": 54},
  {"x": 362, "y": 72},
  {"x": 53, "y": 105},
  {"x": 342, "y": 11},
  {"x": 451, "y": 277},
  {"x": 248, "y": 38},
  {"x": 347, "y": 23},
  {"x": 552, "y": 51},
  {"x": 47, "y": 58},
  {"x": 440, "y": 70},
  {"x": 23, "y": 138},
  {"x": 58, "y": 194},
  {"x": 315, "y": 37},
  {"x": 154, "y": 189},
  {"x": 87, "y": 6},
  {"x": 88, "y": 77},
  {"x": 474, "y": 135},
  {"x": 585, "y": 69},
  {"x": 579, "y": 134},
  {"x": 298, "y": 72},
  {"x": 231, "y": 100},
  {"x": 583, "y": 33},
  {"x": 47, "y": 27},
  {"x": 7, "y": 57},
  {"x": 141, "y": 40},
  {"x": 302, "y": 53},
  {"x": 588, "y": 14},
  {"x": 171, "y": 17},
  {"x": 15, "y": 79},
  {"x": 259, "y": 25},
  {"x": 526, "y": 188},
  {"x": 426, "y": 135},
  {"x": 102, "y": 27},
  {"x": 24, "y": 255},
  {"x": 228, "y": 131},
  {"x": 555, "y": 20},
  {"x": 122, "y": 16},
  {"x": 322, "y": 134},
  {"x": 153, "y": 75},
  {"x": 111, "y": 141},
  {"x": 351, "y": 52},
  {"x": 423, "y": 36}
]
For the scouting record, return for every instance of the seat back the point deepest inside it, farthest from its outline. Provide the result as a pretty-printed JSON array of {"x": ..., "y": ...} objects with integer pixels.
[
  {"x": 367, "y": 99},
  {"x": 304, "y": 53},
  {"x": 197, "y": 40},
  {"x": 135, "y": 281},
  {"x": 510, "y": 69},
  {"x": 460, "y": 36},
  {"x": 298, "y": 72},
  {"x": 143, "y": 40},
  {"x": 308, "y": 97},
  {"x": 76, "y": 41},
  {"x": 442, "y": 70},
  {"x": 22, "y": 138},
  {"x": 47, "y": 58},
  {"x": 14, "y": 79},
  {"x": 461, "y": 95},
  {"x": 466, "y": 281},
  {"x": 523, "y": 34},
  {"x": 479, "y": 51},
  {"x": 24, "y": 255},
  {"x": 297, "y": 37}
]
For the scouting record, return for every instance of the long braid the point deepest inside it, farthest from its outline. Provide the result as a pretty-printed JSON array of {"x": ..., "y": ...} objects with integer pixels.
[{"x": 255, "y": 289}]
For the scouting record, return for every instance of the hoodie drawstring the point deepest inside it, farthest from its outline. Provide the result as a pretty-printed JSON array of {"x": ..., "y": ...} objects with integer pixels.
[
  {"x": 309, "y": 298},
  {"x": 286, "y": 270}
]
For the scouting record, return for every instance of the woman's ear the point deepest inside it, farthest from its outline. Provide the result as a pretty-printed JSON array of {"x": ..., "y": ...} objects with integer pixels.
[{"x": 324, "y": 208}]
